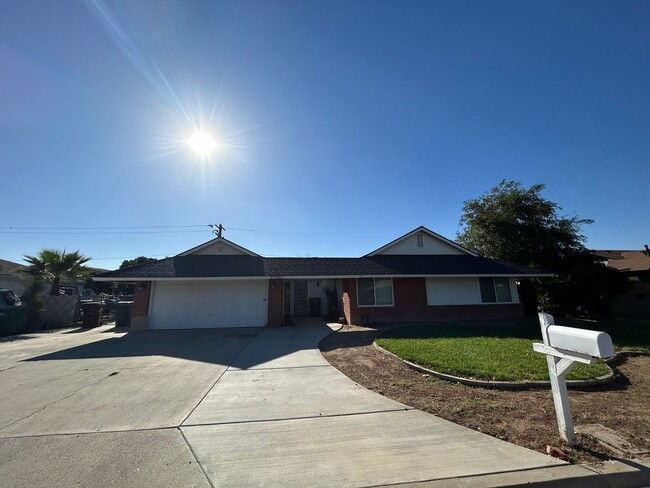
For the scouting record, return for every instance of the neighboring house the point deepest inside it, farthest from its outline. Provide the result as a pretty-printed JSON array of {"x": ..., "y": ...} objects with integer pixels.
[
  {"x": 419, "y": 276},
  {"x": 11, "y": 278},
  {"x": 635, "y": 265}
]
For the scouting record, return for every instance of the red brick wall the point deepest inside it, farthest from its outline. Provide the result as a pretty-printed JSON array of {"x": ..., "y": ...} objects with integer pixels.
[
  {"x": 345, "y": 298},
  {"x": 141, "y": 299},
  {"x": 275, "y": 303},
  {"x": 410, "y": 305}
]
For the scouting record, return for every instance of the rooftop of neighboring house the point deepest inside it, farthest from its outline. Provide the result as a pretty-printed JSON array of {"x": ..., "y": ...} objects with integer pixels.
[
  {"x": 9, "y": 268},
  {"x": 625, "y": 260}
]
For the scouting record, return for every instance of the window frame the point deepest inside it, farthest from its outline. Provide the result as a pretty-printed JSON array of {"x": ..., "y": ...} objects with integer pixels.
[
  {"x": 494, "y": 287},
  {"x": 374, "y": 292}
]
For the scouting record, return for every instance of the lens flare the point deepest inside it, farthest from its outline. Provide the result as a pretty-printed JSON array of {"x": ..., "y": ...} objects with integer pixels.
[{"x": 202, "y": 143}]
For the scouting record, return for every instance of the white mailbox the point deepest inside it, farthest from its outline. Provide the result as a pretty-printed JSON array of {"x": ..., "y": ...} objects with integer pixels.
[
  {"x": 565, "y": 347},
  {"x": 590, "y": 342}
]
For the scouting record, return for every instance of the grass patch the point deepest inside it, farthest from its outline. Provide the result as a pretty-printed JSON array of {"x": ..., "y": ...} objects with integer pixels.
[{"x": 500, "y": 350}]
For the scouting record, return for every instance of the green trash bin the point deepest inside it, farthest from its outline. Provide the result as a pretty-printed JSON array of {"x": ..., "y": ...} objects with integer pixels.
[
  {"x": 92, "y": 314},
  {"x": 12, "y": 320},
  {"x": 123, "y": 314}
]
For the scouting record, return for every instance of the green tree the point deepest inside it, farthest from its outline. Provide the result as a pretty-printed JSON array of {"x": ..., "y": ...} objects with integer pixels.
[
  {"x": 517, "y": 224},
  {"x": 54, "y": 265},
  {"x": 129, "y": 288},
  {"x": 105, "y": 287},
  {"x": 133, "y": 262}
]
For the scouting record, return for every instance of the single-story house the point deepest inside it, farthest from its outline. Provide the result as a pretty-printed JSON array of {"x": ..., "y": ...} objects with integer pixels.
[
  {"x": 11, "y": 277},
  {"x": 419, "y": 276}
]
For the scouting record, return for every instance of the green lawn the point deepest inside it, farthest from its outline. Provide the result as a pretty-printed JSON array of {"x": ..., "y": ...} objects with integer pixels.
[{"x": 500, "y": 350}]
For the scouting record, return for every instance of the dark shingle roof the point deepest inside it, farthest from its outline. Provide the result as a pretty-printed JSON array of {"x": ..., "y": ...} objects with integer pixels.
[{"x": 205, "y": 266}]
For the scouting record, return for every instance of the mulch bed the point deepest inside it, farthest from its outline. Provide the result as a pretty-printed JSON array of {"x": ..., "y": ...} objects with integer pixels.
[{"x": 525, "y": 418}]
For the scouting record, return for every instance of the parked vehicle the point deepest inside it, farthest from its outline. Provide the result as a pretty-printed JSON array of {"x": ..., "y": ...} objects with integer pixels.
[
  {"x": 9, "y": 299},
  {"x": 12, "y": 315}
]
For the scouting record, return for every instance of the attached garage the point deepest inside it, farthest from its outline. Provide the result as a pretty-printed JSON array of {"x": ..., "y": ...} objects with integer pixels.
[{"x": 208, "y": 304}]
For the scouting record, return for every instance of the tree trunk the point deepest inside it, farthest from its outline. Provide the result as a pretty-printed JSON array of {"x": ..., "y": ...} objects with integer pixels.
[{"x": 56, "y": 286}]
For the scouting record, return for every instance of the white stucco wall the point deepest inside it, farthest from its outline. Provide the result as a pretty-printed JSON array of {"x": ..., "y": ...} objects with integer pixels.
[
  {"x": 431, "y": 245},
  {"x": 460, "y": 291},
  {"x": 16, "y": 284},
  {"x": 219, "y": 248}
]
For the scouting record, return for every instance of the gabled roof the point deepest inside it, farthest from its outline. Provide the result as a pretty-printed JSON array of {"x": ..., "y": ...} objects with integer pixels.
[
  {"x": 423, "y": 230},
  {"x": 217, "y": 240},
  {"x": 232, "y": 266},
  {"x": 194, "y": 264}
]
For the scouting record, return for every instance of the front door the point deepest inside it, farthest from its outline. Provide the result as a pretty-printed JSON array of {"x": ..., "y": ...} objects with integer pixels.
[{"x": 300, "y": 303}]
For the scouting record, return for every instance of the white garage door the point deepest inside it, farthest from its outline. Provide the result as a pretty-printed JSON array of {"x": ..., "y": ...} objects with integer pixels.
[{"x": 191, "y": 305}]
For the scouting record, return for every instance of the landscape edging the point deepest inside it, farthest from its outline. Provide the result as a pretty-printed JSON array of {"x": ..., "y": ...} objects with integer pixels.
[{"x": 502, "y": 385}]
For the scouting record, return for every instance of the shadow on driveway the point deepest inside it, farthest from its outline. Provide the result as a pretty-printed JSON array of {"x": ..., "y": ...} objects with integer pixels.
[{"x": 206, "y": 345}]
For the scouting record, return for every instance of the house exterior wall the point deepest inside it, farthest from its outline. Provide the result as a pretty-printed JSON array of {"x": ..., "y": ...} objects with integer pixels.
[
  {"x": 460, "y": 291},
  {"x": 315, "y": 289},
  {"x": 14, "y": 283},
  {"x": 220, "y": 248},
  {"x": 430, "y": 245},
  {"x": 275, "y": 303},
  {"x": 410, "y": 305},
  {"x": 140, "y": 310}
]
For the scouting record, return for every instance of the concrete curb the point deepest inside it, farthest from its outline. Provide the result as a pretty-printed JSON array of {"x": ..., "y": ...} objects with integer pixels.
[{"x": 501, "y": 385}]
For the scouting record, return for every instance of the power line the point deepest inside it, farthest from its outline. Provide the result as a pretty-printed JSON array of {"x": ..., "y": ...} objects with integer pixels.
[
  {"x": 133, "y": 230},
  {"x": 305, "y": 233},
  {"x": 104, "y": 228},
  {"x": 103, "y": 233}
]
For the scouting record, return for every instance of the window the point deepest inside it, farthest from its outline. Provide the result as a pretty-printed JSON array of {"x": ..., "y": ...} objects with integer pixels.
[
  {"x": 420, "y": 240},
  {"x": 495, "y": 290},
  {"x": 375, "y": 292}
]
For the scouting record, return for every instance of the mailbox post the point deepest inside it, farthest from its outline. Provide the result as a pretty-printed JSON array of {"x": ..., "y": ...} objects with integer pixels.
[{"x": 564, "y": 348}]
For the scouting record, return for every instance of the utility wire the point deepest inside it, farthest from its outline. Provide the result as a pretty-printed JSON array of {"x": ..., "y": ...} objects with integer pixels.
[
  {"x": 133, "y": 230},
  {"x": 104, "y": 228},
  {"x": 103, "y": 233},
  {"x": 304, "y": 233}
]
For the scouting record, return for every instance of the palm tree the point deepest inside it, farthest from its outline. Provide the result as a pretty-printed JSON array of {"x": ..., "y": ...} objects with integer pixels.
[{"x": 54, "y": 265}]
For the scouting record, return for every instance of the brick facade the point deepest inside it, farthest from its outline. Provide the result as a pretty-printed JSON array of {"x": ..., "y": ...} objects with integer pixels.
[
  {"x": 275, "y": 303},
  {"x": 141, "y": 299},
  {"x": 410, "y": 305}
]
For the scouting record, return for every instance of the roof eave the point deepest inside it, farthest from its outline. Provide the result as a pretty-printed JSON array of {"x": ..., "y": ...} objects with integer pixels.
[{"x": 323, "y": 277}]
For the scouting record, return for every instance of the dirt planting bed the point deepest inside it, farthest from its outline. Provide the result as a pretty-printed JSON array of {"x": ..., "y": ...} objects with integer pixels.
[{"x": 526, "y": 418}]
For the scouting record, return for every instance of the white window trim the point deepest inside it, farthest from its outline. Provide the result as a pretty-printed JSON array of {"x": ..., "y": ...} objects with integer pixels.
[
  {"x": 374, "y": 289},
  {"x": 497, "y": 302}
]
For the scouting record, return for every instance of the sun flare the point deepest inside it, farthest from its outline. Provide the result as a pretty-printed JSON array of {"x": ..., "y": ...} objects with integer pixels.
[{"x": 202, "y": 143}]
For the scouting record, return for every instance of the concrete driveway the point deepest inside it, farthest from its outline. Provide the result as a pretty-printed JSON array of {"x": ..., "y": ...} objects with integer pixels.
[{"x": 232, "y": 407}]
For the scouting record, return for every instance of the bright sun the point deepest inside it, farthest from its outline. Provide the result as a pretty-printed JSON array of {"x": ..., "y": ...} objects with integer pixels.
[{"x": 202, "y": 143}]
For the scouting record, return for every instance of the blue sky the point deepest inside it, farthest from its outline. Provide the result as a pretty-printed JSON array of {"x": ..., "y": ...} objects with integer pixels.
[{"x": 341, "y": 125}]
